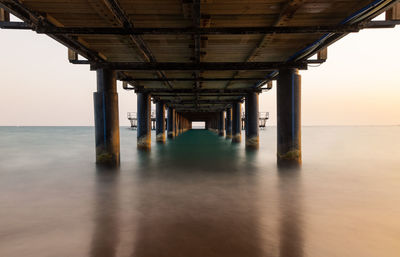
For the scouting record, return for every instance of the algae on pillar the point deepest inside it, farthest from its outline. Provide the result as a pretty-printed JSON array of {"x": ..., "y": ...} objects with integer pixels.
[
  {"x": 289, "y": 117},
  {"x": 252, "y": 126},
  {"x": 236, "y": 122},
  {"x": 144, "y": 121},
  {"x": 106, "y": 118}
]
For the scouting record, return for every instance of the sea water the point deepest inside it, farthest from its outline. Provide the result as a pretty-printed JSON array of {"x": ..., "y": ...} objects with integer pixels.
[{"x": 200, "y": 195}]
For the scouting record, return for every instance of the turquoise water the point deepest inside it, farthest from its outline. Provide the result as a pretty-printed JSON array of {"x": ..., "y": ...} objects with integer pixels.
[{"x": 199, "y": 195}]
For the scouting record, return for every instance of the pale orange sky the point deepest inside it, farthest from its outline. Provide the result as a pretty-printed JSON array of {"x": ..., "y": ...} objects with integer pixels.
[{"x": 358, "y": 85}]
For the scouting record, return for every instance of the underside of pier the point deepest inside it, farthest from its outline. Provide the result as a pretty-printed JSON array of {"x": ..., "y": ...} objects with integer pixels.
[{"x": 198, "y": 58}]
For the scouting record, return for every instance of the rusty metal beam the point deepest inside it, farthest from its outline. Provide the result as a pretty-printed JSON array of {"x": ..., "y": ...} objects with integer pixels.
[
  {"x": 197, "y": 48},
  {"x": 36, "y": 19},
  {"x": 119, "y": 13},
  {"x": 202, "y": 66},
  {"x": 199, "y": 79},
  {"x": 287, "y": 11},
  {"x": 191, "y": 102},
  {"x": 203, "y": 95},
  {"x": 200, "y": 90},
  {"x": 201, "y": 31}
]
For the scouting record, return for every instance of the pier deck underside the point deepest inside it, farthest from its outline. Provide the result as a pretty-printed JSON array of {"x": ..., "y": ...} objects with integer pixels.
[{"x": 201, "y": 33}]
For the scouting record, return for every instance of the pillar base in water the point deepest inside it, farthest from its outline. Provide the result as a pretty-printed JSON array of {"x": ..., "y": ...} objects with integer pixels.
[
  {"x": 144, "y": 143},
  {"x": 160, "y": 138},
  {"x": 291, "y": 158},
  {"x": 252, "y": 142},
  {"x": 236, "y": 138},
  {"x": 228, "y": 136},
  {"x": 105, "y": 158},
  {"x": 171, "y": 135},
  {"x": 221, "y": 133}
]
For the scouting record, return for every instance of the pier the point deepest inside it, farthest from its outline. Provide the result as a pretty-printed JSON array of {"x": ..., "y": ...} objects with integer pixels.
[
  {"x": 262, "y": 117},
  {"x": 198, "y": 60}
]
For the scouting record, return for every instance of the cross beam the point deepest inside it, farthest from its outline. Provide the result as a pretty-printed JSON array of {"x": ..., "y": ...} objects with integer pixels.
[
  {"x": 199, "y": 79},
  {"x": 200, "y": 91},
  {"x": 198, "y": 30},
  {"x": 191, "y": 102},
  {"x": 202, "y": 66}
]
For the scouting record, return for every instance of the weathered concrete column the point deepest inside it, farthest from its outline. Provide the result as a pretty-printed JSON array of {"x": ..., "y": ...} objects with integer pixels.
[
  {"x": 180, "y": 124},
  {"x": 252, "y": 133},
  {"x": 106, "y": 119},
  {"x": 175, "y": 124},
  {"x": 170, "y": 122},
  {"x": 144, "y": 121},
  {"x": 236, "y": 122},
  {"x": 160, "y": 123},
  {"x": 214, "y": 125},
  {"x": 289, "y": 116},
  {"x": 228, "y": 124},
  {"x": 221, "y": 124},
  {"x": 184, "y": 124}
]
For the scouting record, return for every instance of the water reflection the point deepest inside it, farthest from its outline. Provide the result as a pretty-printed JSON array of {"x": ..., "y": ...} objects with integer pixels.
[
  {"x": 200, "y": 197},
  {"x": 290, "y": 213},
  {"x": 189, "y": 208},
  {"x": 191, "y": 201},
  {"x": 196, "y": 150},
  {"x": 105, "y": 238}
]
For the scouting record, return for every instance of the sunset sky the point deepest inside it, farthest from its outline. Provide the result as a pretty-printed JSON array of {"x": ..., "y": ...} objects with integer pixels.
[{"x": 358, "y": 85}]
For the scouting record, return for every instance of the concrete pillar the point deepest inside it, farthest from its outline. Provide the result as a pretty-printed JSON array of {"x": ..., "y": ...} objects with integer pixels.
[
  {"x": 180, "y": 124},
  {"x": 176, "y": 128},
  {"x": 221, "y": 124},
  {"x": 160, "y": 123},
  {"x": 214, "y": 124},
  {"x": 246, "y": 115},
  {"x": 106, "y": 119},
  {"x": 236, "y": 122},
  {"x": 228, "y": 124},
  {"x": 252, "y": 126},
  {"x": 144, "y": 121},
  {"x": 178, "y": 117},
  {"x": 170, "y": 121},
  {"x": 289, "y": 117}
]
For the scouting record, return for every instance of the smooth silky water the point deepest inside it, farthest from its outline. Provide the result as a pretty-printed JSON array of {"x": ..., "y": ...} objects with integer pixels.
[{"x": 199, "y": 195}]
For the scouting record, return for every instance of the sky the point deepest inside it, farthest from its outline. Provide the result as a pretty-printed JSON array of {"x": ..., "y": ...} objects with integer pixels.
[{"x": 358, "y": 85}]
